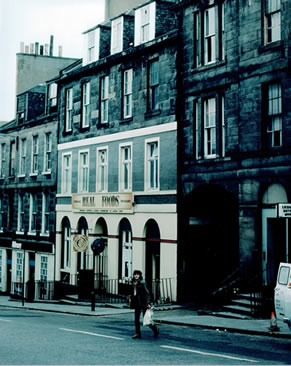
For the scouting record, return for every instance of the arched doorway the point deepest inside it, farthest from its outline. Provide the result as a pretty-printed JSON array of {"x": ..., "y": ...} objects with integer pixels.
[
  {"x": 66, "y": 249},
  {"x": 276, "y": 243},
  {"x": 125, "y": 250},
  {"x": 82, "y": 257},
  {"x": 152, "y": 264},
  {"x": 101, "y": 260},
  {"x": 210, "y": 240}
]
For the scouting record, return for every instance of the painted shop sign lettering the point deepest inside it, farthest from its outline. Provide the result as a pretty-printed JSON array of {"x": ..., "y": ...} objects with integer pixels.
[
  {"x": 284, "y": 210},
  {"x": 103, "y": 202}
]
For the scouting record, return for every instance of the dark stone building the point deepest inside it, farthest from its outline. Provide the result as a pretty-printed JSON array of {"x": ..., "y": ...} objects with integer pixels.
[{"x": 234, "y": 140}]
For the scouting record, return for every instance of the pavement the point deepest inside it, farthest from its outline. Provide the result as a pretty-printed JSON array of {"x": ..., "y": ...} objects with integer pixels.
[{"x": 167, "y": 314}]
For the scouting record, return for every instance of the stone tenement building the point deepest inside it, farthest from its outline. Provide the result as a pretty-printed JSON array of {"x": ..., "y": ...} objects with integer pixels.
[
  {"x": 234, "y": 143},
  {"x": 117, "y": 154}
]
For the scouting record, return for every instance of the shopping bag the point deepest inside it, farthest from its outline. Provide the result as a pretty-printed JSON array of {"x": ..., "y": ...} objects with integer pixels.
[{"x": 148, "y": 318}]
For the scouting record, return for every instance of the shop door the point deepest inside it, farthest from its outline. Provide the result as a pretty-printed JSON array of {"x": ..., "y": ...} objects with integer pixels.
[
  {"x": 126, "y": 254},
  {"x": 277, "y": 249}
]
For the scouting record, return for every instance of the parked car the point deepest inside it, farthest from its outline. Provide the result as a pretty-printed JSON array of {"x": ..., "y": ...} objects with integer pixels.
[{"x": 283, "y": 294}]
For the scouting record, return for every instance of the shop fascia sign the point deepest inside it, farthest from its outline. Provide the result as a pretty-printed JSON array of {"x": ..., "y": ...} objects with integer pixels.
[
  {"x": 103, "y": 202},
  {"x": 284, "y": 210}
]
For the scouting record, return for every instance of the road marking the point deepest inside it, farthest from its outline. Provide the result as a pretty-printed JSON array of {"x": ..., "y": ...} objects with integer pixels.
[
  {"x": 210, "y": 354},
  {"x": 4, "y": 320},
  {"x": 89, "y": 333}
]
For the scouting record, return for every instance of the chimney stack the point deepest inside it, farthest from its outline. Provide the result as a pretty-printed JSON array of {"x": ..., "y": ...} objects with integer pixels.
[
  {"x": 52, "y": 46},
  {"x": 21, "y": 47},
  {"x": 36, "y": 47},
  {"x": 60, "y": 51}
]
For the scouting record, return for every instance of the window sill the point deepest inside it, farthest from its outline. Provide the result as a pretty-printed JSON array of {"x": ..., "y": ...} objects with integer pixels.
[
  {"x": 32, "y": 233},
  {"x": 271, "y": 47},
  {"x": 200, "y": 68},
  {"x": 48, "y": 172},
  {"x": 19, "y": 233},
  {"x": 103, "y": 124},
  {"x": 44, "y": 234},
  {"x": 33, "y": 174},
  {"x": 84, "y": 129},
  {"x": 126, "y": 120},
  {"x": 66, "y": 133},
  {"x": 151, "y": 114},
  {"x": 21, "y": 176}
]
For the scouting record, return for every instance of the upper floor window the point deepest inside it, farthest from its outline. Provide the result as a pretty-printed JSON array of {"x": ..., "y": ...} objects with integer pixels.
[
  {"x": 32, "y": 213},
  {"x": 52, "y": 97},
  {"x": 104, "y": 98},
  {"x": 116, "y": 35},
  {"x": 45, "y": 213},
  {"x": 12, "y": 162},
  {"x": 273, "y": 21},
  {"x": 85, "y": 104},
  {"x": 2, "y": 159},
  {"x": 48, "y": 152},
  {"x": 209, "y": 139},
  {"x": 127, "y": 93},
  {"x": 210, "y": 128},
  {"x": 22, "y": 160},
  {"x": 144, "y": 24},
  {"x": 34, "y": 159},
  {"x": 20, "y": 218},
  {"x": 69, "y": 110},
  {"x": 84, "y": 172},
  {"x": 274, "y": 115},
  {"x": 152, "y": 176},
  {"x": 67, "y": 173},
  {"x": 102, "y": 169},
  {"x": 91, "y": 46},
  {"x": 209, "y": 35},
  {"x": 153, "y": 86},
  {"x": 125, "y": 175}
]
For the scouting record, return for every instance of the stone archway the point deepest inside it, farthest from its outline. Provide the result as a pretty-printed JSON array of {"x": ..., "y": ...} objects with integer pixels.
[
  {"x": 152, "y": 256},
  {"x": 210, "y": 239}
]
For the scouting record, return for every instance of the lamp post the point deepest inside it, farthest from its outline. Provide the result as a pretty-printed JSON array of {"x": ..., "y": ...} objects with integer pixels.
[{"x": 97, "y": 247}]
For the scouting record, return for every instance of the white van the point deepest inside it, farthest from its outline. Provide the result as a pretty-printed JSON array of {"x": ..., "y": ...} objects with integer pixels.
[{"x": 283, "y": 294}]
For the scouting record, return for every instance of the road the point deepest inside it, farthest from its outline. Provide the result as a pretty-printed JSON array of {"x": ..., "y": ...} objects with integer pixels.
[{"x": 41, "y": 338}]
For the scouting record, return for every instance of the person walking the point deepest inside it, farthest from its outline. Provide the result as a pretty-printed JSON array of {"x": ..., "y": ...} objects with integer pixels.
[{"x": 140, "y": 302}]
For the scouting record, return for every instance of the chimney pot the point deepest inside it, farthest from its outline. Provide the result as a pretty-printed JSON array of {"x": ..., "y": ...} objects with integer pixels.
[{"x": 60, "y": 51}]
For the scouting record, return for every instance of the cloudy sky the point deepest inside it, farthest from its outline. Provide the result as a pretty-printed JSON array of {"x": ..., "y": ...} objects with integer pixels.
[{"x": 31, "y": 21}]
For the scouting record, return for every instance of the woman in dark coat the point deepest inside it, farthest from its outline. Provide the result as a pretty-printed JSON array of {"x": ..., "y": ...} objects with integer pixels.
[{"x": 140, "y": 302}]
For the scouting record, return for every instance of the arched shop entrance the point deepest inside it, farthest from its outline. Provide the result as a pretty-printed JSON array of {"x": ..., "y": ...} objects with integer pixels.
[
  {"x": 210, "y": 240},
  {"x": 125, "y": 250},
  {"x": 276, "y": 229},
  {"x": 101, "y": 260},
  {"x": 152, "y": 273}
]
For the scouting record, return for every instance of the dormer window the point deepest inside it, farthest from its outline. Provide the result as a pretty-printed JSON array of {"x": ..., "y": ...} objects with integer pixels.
[
  {"x": 52, "y": 97},
  {"x": 91, "y": 46},
  {"x": 116, "y": 35},
  {"x": 144, "y": 24}
]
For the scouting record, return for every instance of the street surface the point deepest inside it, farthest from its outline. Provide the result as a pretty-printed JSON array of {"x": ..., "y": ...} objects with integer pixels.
[{"x": 43, "y": 338}]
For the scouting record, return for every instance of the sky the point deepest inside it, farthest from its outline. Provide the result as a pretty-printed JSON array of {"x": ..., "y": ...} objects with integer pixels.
[{"x": 31, "y": 21}]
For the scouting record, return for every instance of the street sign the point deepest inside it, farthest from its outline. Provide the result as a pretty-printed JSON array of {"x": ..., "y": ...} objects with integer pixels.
[{"x": 284, "y": 210}]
